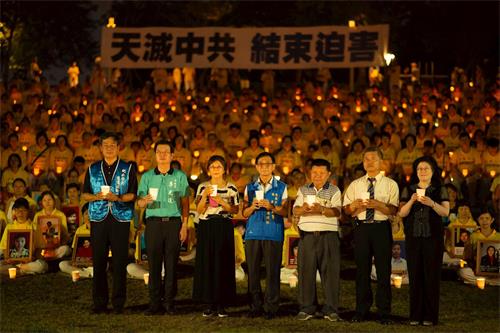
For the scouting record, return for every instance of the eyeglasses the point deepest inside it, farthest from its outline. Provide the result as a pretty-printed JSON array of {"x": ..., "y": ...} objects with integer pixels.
[
  {"x": 214, "y": 167},
  {"x": 264, "y": 164}
]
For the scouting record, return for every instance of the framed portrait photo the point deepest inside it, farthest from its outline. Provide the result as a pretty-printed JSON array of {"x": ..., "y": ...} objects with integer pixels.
[
  {"x": 20, "y": 245},
  {"x": 292, "y": 251},
  {"x": 398, "y": 261},
  {"x": 459, "y": 238},
  {"x": 487, "y": 258},
  {"x": 82, "y": 253},
  {"x": 49, "y": 233},
  {"x": 72, "y": 218}
]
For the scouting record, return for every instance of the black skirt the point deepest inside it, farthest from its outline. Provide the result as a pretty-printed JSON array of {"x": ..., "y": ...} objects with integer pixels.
[{"x": 214, "y": 277}]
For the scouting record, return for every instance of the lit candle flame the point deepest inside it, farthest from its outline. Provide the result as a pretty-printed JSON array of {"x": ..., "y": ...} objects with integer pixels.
[
  {"x": 335, "y": 96},
  {"x": 137, "y": 119},
  {"x": 471, "y": 84},
  {"x": 194, "y": 107},
  {"x": 207, "y": 99},
  {"x": 162, "y": 119},
  {"x": 465, "y": 172},
  {"x": 319, "y": 98},
  {"x": 196, "y": 153},
  {"x": 450, "y": 153},
  {"x": 443, "y": 174},
  {"x": 25, "y": 148},
  {"x": 384, "y": 108},
  {"x": 493, "y": 173},
  {"x": 452, "y": 88},
  {"x": 141, "y": 168},
  {"x": 400, "y": 114},
  {"x": 263, "y": 105},
  {"x": 194, "y": 177},
  {"x": 157, "y": 106},
  {"x": 75, "y": 113},
  {"x": 188, "y": 97},
  {"x": 407, "y": 178},
  {"x": 173, "y": 108},
  {"x": 58, "y": 170},
  {"x": 286, "y": 170},
  {"x": 52, "y": 140},
  {"x": 404, "y": 105},
  {"x": 239, "y": 153},
  {"x": 36, "y": 171}
]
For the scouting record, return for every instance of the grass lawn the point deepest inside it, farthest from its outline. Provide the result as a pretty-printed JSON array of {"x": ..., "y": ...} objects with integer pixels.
[{"x": 53, "y": 303}]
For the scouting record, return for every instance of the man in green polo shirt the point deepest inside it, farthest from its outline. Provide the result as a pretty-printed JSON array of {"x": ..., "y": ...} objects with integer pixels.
[{"x": 164, "y": 192}]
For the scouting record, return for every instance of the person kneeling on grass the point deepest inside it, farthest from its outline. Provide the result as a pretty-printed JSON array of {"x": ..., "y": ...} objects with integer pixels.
[
  {"x": 84, "y": 230},
  {"x": 21, "y": 209}
]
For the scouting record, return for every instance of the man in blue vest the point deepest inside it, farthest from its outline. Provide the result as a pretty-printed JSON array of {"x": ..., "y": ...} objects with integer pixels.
[
  {"x": 264, "y": 206},
  {"x": 110, "y": 187}
]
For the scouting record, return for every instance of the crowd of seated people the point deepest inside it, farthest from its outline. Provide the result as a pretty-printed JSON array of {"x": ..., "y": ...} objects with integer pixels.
[{"x": 49, "y": 138}]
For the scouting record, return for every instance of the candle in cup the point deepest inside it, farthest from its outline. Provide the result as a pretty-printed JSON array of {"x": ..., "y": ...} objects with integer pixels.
[
  {"x": 310, "y": 199},
  {"x": 239, "y": 153},
  {"x": 12, "y": 273},
  {"x": 25, "y": 148},
  {"x": 75, "y": 275},
  {"x": 493, "y": 173},
  {"x": 36, "y": 171},
  {"x": 465, "y": 172},
  {"x": 146, "y": 278},
  {"x": 292, "y": 281},
  {"x": 52, "y": 140},
  {"x": 480, "y": 282},
  {"x": 196, "y": 153},
  {"x": 214, "y": 191},
  {"x": 58, "y": 170},
  {"x": 141, "y": 168},
  {"x": 105, "y": 189},
  {"x": 462, "y": 263},
  {"x": 259, "y": 195},
  {"x": 398, "y": 280},
  {"x": 154, "y": 193},
  {"x": 286, "y": 170},
  {"x": 421, "y": 192},
  {"x": 364, "y": 196}
]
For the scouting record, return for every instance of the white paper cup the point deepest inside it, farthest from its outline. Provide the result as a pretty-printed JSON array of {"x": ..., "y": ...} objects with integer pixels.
[
  {"x": 421, "y": 192},
  {"x": 292, "y": 281},
  {"x": 146, "y": 278},
  {"x": 462, "y": 263},
  {"x": 364, "y": 196},
  {"x": 105, "y": 189},
  {"x": 75, "y": 275},
  {"x": 214, "y": 191},
  {"x": 259, "y": 195},
  {"x": 154, "y": 193},
  {"x": 398, "y": 280},
  {"x": 480, "y": 282},
  {"x": 12, "y": 273},
  {"x": 310, "y": 199}
]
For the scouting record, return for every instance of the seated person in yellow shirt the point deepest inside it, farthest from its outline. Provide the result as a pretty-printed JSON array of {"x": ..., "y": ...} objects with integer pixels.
[
  {"x": 485, "y": 232},
  {"x": 239, "y": 250},
  {"x": 21, "y": 222}
]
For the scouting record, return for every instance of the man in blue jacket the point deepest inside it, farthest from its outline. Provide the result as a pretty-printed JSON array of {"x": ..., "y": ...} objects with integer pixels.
[{"x": 264, "y": 206}]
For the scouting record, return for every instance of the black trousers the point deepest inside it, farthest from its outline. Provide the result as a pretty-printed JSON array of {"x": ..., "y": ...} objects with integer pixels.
[
  {"x": 271, "y": 253},
  {"x": 424, "y": 258},
  {"x": 319, "y": 252},
  {"x": 104, "y": 234},
  {"x": 163, "y": 246},
  {"x": 373, "y": 240}
]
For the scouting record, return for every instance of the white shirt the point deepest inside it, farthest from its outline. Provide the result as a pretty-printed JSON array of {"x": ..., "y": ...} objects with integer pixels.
[
  {"x": 386, "y": 190},
  {"x": 328, "y": 196}
]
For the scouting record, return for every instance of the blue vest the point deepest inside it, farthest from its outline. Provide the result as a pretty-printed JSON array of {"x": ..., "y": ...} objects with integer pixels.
[
  {"x": 98, "y": 210},
  {"x": 264, "y": 224}
]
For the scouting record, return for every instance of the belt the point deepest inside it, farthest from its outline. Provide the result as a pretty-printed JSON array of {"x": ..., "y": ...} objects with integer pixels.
[
  {"x": 164, "y": 218},
  {"x": 316, "y": 233},
  {"x": 370, "y": 222}
]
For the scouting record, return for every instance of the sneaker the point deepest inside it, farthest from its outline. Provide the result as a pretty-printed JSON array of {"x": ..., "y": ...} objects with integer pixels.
[
  {"x": 221, "y": 313},
  {"x": 414, "y": 323},
  {"x": 155, "y": 311},
  {"x": 208, "y": 313},
  {"x": 427, "y": 323},
  {"x": 333, "y": 317},
  {"x": 304, "y": 316}
]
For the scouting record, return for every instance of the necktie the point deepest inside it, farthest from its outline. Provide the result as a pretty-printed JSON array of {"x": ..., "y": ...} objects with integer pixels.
[{"x": 370, "y": 212}]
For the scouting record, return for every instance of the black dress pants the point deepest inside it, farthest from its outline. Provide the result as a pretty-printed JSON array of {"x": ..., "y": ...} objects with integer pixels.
[
  {"x": 162, "y": 246},
  {"x": 271, "y": 253},
  {"x": 105, "y": 234},
  {"x": 424, "y": 258},
  {"x": 373, "y": 240}
]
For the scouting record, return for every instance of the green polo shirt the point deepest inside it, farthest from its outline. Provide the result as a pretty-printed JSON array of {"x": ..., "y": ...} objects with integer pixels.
[{"x": 171, "y": 186}]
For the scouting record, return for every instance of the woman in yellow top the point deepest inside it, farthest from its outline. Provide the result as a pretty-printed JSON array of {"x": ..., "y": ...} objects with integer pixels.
[
  {"x": 60, "y": 237},
  {"x": 355, "y": 157},
  {"x": 182, "y": 154},
  {"x": 287, "y": 158},
  {"x": 61, "y": 156},
  {"x": 249, "y": 155}
]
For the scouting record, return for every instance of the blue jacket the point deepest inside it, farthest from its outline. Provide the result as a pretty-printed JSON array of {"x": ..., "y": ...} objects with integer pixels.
[
  {"x": 98, "y": 210},
  {"x": 263, "y": 224}
]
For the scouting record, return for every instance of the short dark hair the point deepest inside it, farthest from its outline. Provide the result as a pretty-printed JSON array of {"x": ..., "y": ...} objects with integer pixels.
[
  {"x": 264, "y": 154},
  {"x": 164, "y": 142},
  {"x": 320, "y": 163},
  {"x": 373, "y": 149},
  {"x": 21, "y": 203},
  {"x": 216, "y": 158},
  {"x": 72, "y": 185},
  {"x": 19, "y": 180},
  {"x": 107, "y": 135}
]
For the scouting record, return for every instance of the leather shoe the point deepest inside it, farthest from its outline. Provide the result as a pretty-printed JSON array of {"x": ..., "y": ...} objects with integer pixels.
[
  {"x": 98, "y": 310},
  {"x": 384, "y": 320},
  {"x": 357, "y": 318},
  {"x": 155, "y": 311}
]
